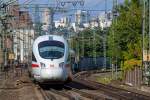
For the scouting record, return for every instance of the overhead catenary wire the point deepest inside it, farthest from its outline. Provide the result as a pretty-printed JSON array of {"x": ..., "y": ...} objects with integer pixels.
[{"x": 27, "y": 1}]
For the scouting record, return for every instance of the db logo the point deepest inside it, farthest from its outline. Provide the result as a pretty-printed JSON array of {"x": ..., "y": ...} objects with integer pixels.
[{"x": 51, "y": 65}]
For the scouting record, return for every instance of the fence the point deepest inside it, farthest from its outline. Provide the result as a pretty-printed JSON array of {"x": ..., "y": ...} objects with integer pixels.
[
  {"x": 134, "y": 77},
  {"x": 90, "y": 63}
]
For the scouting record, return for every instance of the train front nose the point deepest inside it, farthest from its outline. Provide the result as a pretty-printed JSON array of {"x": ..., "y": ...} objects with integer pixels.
[{"x": 53, "y": 74}]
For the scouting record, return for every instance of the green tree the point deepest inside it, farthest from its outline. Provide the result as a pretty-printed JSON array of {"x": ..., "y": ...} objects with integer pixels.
[
  {"x": 88, "y": 43},
  {"x": 125, "y": 35}
]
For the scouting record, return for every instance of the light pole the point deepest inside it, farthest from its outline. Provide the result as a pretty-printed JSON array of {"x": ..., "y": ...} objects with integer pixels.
[
  {"x": 149, "y": 43},
  {"x": 147, "y": 69},
  {"x": 104, "y": 47},
  {"x": 114, "y": 56},
  {"x": 143, "y": 34},
  {"x": 94, "y": 46}
]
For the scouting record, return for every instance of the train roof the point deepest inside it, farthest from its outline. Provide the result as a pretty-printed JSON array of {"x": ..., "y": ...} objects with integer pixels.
[{"x": 49, "y": 37}]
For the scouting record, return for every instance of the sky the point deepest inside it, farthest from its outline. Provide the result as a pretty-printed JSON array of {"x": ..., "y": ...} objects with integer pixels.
[{"x": 88, "y": 5}]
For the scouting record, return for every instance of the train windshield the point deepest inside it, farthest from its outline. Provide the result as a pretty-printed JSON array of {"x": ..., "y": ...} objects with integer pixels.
[{"x": 51, "y": 49}]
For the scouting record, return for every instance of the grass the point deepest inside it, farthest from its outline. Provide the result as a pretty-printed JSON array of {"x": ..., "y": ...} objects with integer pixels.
[
  {"x": 108, "y": 78},
  {"x": 104, "y": 80}
]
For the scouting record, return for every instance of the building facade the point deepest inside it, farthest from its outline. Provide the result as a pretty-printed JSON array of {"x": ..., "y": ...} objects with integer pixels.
[{"x": 16, "y": 34}]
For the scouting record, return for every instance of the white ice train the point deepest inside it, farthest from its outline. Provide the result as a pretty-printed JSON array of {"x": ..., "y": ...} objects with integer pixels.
[{"x": 50, "y": 60}]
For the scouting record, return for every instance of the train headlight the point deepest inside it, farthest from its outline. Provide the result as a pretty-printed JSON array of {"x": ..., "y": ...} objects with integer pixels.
[
  {"x": 42, "y": 65},
  {"x": 61, "y": 64}
]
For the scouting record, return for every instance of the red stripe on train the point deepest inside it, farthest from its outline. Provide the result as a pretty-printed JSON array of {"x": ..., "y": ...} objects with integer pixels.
[{"x": 35, "y": 65}]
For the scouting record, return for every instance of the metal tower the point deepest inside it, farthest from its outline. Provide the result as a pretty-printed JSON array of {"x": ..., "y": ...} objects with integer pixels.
[{"x": 37, "y": 25}]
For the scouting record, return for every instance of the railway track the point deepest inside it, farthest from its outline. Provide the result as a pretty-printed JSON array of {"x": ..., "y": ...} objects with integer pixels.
[
  {"x": 83, "y": 89},
  {"x": 117, "y": 93},
  {"x": 72, "y": 92},
  {"x": 97, "y": 91},
  {"x": 46, "y": 95},
  {"x": 89, "y": 95}
]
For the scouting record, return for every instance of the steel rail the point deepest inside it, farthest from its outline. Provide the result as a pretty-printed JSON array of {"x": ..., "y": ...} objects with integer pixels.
[
  {"x": 87, "y": 95},
  {"x": 45, "y": 94},
  {"x": 113, "y": 91},
  {"x": 62, "y": 93}
]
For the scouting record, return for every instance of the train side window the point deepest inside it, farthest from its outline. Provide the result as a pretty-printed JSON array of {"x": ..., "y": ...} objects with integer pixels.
[{"x": 33, "y": 57}]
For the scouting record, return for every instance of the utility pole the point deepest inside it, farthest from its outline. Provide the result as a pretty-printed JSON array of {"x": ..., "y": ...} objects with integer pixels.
[
  {"x": 149, "y": 42},
  {"x": 148, "y": 67},
  {"x": 114, "y": 60},
  {"x": 146, "y": 31},
  {"x": 82, "y": 44},
  {"x": 149, "y": 24},
  {"x": 94, "y": 47},
  {"x": 143, "y": 36},
  {"x": 37, "y": 25},
  {"x": 104, "y": 34},
  {"x": 116, "y": 66}
]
